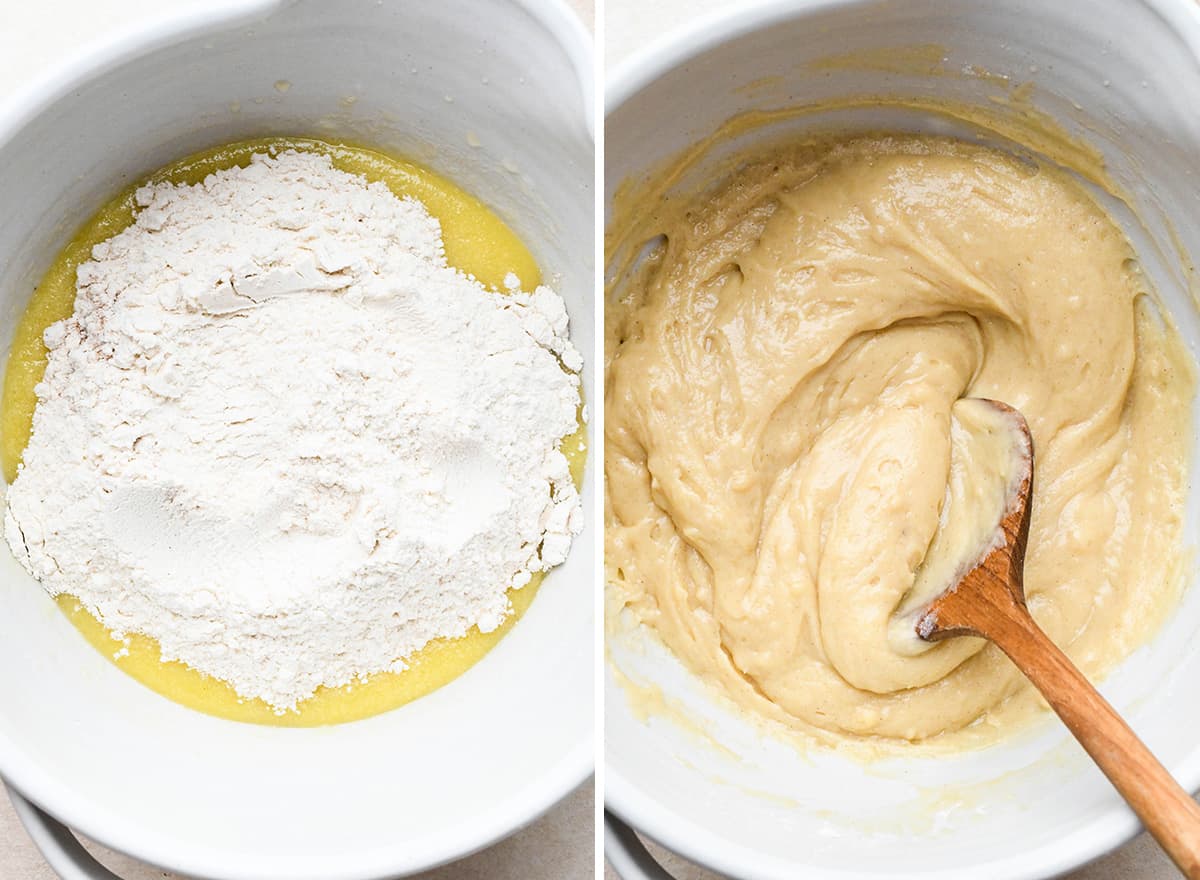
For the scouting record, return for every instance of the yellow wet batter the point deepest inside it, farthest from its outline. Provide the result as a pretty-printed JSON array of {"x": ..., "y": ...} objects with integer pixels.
[
  {"x": 476, "y": 241},
  {"x": 782, "y": 370}
]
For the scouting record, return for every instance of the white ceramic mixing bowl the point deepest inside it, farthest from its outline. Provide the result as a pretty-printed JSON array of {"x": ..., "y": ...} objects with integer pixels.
[
  {"x": 496, "y": 95},
  {"x": 1122, "y": 75}
]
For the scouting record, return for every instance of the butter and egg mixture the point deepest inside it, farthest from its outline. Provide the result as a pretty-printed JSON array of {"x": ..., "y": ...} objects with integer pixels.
[
  {"x": 783, "y": 368},
  {"x": 476, "y": 242}
]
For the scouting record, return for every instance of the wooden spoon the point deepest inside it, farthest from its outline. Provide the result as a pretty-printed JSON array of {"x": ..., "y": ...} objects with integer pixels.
[{"x": 989, "y": 601}]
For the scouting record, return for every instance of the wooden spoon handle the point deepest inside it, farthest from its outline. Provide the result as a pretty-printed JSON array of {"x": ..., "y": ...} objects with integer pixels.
[{"x": 1168, "y": 812}]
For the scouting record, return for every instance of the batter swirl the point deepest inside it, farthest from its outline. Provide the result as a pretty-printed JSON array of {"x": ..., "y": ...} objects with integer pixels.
[{"x": 780, "y": 382}]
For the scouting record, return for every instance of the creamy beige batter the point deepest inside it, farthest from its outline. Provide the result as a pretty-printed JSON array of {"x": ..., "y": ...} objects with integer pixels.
[{"x": 782, "y": 373}]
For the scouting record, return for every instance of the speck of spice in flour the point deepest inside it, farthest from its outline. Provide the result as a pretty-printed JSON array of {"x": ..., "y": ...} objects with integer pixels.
[{"x": 282, "y": 437}]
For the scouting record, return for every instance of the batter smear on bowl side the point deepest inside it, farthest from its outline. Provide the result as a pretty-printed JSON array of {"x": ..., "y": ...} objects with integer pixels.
[
  {"x": 782, "y": 374},
  {"x": 282, "y": 440}
]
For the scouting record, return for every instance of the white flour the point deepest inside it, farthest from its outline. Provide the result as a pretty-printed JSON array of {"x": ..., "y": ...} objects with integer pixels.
[{"x": 283, "y": 438}]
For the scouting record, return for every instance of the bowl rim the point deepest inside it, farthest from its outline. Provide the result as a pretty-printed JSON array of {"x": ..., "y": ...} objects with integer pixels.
[
  {"x": 524, "y": 805},
  {"x": 678, "y": 46},
  {"x": 626, "y": 796}
]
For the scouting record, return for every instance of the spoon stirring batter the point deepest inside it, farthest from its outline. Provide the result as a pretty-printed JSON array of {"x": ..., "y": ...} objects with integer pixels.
[{"x": 988, "y": 601}]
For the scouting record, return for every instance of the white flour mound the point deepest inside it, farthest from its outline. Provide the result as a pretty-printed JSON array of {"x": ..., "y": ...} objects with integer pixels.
[{"x": 282, "y": 437}]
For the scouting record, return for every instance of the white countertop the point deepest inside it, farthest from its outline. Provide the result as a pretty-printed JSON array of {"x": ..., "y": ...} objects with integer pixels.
[
  {"x": 629, "y": 24},
  {"x": 561, "y": 846}
]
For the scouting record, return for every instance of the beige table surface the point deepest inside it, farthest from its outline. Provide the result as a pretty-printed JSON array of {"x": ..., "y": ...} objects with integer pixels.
[
  {"x": 628, "y": 24},
  {"x": 561, "y": 846}
]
